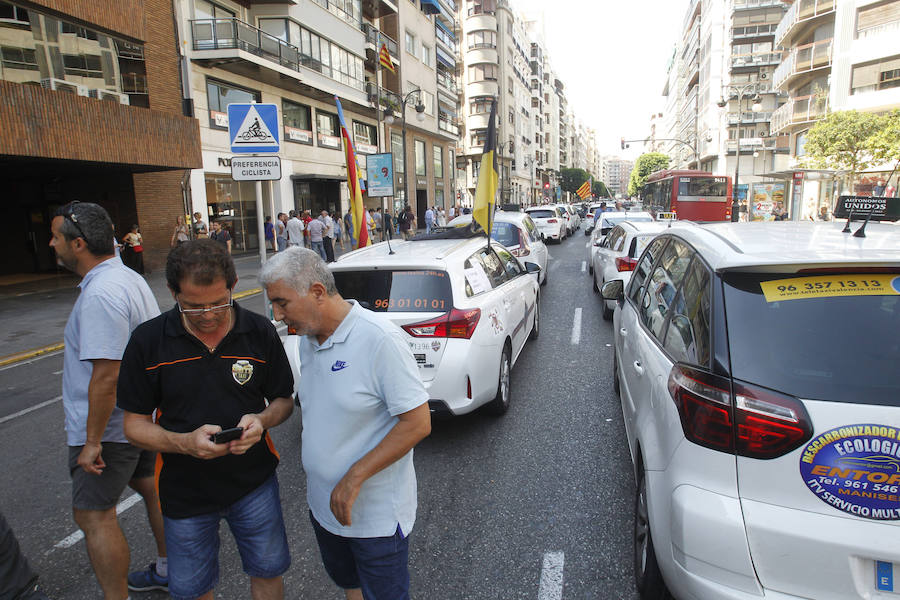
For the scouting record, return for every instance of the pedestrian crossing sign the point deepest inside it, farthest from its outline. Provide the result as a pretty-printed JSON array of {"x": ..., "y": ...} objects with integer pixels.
[{"x": 253, "y": 128}]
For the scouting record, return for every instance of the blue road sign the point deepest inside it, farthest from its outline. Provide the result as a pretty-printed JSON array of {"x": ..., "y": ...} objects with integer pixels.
[{"x": 253, "y": 128}]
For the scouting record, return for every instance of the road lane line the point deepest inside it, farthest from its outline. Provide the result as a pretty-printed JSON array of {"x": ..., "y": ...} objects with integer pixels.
[
  {"x": 551, "y": 585},
  {"x": 576, "y": 328},
  {"x": 587, "y": 245},
  {"x": 583, "y": 266},
  {"x": 29, "y": 409},
  {"x": 71, "y": 540},
  {"x": 57, "y": 372}
]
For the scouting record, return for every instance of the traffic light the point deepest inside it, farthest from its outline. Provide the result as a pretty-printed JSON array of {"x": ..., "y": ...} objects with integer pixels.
[
  {"x": 623, "y": 144},
  {"x": 546, "y": 186}
]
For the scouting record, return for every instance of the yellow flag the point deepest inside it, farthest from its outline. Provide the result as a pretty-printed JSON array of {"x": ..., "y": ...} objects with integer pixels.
[{"x": 488, "y": 177}]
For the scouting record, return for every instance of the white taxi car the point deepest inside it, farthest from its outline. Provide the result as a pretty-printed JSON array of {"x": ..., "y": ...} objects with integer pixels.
[
  {"x": 757, "y": 369},
  {"x": 467, "y": 311},
  {"x": 549, "y": 221},
  {"x": 614, "y": 255},
  {"x": 519, "y": 234}
]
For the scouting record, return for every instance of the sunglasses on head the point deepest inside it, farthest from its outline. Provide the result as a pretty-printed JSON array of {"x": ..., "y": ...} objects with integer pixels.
[{"x": 69, "y": 213}]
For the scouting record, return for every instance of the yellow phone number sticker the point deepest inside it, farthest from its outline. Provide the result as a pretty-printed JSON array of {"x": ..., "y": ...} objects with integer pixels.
[{"x": 826, "y": 286}]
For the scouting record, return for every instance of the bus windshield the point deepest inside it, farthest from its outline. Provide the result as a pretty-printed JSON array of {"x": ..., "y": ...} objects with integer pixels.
[{"x": 702, "y": 186}]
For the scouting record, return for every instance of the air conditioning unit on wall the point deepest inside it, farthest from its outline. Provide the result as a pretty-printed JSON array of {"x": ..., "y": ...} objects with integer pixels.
[
  {"x": 61, "y": 85},
  {"x": 110, "y": 96}
]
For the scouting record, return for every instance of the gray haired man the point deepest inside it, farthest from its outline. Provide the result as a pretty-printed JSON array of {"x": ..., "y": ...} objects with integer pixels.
[
  {"x": 364, "y": 409},
  {"x": 113, "y": 301}
]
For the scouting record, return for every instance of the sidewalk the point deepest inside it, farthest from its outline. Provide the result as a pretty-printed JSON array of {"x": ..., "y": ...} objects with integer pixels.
[{"x": 35, "y": 309}]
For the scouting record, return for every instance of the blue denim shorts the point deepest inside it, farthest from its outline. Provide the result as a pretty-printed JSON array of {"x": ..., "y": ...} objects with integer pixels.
[
  {"x": 378, "y": 566},
  {"x": 258, "y": 528}
]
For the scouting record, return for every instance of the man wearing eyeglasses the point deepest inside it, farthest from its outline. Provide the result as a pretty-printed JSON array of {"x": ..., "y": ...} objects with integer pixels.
[
  {"x": 113, "y": 301},
  {"x": 205, "y": 367}
]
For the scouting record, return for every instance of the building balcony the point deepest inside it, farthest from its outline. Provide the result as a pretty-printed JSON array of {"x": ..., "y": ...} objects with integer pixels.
[
  {"x": 445, "y": 38},
  {"x": 446, "y": 82},
  {"x": 800, "y": 13},
  {"x": 752, "y": 31},
  {"x": 374, "y": 40},
  {"x": 751, "y": 4},
  {"x": 375, "y": 9},
  {"x": 447, "y": 124},
  {"x": 390, "y": 100},
  {"x": 801, "y": 60},
  {"x": 751, "y": 144},
  {"x": 749, "y": 117},
  {"x": 797, "y": 111},
  {"x": 755, "y": 59}
]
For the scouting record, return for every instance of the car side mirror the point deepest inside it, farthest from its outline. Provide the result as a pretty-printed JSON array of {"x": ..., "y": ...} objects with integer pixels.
[
  {"x": 532, "y": 268},
  {"x": 588, "y": 230},
  {"x": 613, "y": 290}
]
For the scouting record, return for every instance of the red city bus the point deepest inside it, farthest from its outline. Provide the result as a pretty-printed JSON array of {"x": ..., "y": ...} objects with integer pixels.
[{"x": 687, "y": 195}]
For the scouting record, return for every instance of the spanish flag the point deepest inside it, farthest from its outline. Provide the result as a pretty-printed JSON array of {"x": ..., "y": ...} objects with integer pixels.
[
  {"x": 384, "y": 57},
  {"x": 357, "y": 210},
  {"x": 488, "y": 177},
  {"x": 585, "y": 190}
]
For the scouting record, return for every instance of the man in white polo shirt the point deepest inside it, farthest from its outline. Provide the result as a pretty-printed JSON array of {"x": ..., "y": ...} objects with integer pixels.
[{"x": 364, "y": 409}]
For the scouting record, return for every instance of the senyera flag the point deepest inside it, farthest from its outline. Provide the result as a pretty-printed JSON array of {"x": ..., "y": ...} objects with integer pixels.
[
  {"x": 585, "y": 190},
  {"x": 384, "y": 57},
  {"x": 488, "y": 177},
  {"x": 357, "y": 210}
]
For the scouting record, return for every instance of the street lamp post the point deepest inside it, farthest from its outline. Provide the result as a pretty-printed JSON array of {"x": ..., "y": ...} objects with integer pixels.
[
  {"x": 420, "y": 117},
  {"x": 755, "y": 107}
]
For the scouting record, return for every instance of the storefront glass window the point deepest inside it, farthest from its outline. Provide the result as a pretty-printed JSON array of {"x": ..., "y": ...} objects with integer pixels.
[
  {"x": 233, "y": 203},
  {"x": 397, "y": 150},
  {"x": 420, "y": 157},
  {"x": 438, "y": 161}
]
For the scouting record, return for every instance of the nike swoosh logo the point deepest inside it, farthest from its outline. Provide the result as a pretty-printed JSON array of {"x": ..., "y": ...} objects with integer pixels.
[{"x": 339, "y": 365}]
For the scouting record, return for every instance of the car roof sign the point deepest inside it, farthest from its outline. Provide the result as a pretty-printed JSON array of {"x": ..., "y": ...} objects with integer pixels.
[{"x": 858, "y": 208}]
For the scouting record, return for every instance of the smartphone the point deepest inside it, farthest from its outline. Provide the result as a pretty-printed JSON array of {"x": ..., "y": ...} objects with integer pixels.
[{"x": 227, "y": 435}]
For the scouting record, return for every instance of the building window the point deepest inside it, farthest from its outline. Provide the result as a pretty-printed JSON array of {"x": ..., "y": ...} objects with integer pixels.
[
  {"x": 410, "y": 43},
  {"x": 428, "y": 101},
  {"x": 481, "y": 7},
  {"x": 365, "y": 138},
  {"x": 397, "y": 150},
  {"x": 329, "y": 132},
  {"x": 420, "y": 158},
  {"x": 329, "y": 59},
  {"x": 426, "y": 55},
  {"x": 8, "y": 12},
  {"x": 349, "y": 11},
  {"x": 297, "y": 122},
  {"x": 220, "y": 96},
  {"x": 880, "y": 75},
  {"x": 483, "y": 72},
  {"x": 478, "y": 137},
  {"x": 438, "y": 161},
  {"x": 480, "y": 105},
  {"x": 484, "y": 38},
  {"x": 439, "y": 198},
  {"x": 876, "y": 18},
  {"x": 207, "y": 10}
]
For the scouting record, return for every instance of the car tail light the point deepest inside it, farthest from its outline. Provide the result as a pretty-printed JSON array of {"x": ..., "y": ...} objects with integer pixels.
[
  {"x": 552, "y": 221},
  {"x": 623, "y": 263},
  {"x": 455, "y": 324},
  {"x": 755, "y": 422}
]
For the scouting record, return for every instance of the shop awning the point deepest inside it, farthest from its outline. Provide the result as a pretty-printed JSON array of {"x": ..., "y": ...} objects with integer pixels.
[
  {"x": 430, "y": 7},
  {"x": 446, "y": 59}
]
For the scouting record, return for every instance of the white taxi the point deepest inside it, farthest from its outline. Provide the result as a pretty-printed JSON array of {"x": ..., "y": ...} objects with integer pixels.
[
  {"x": 467, "y": 311},
  {"x": 757, "y": 369},
  {"x": 519, "y": 234},
  {"x": 549, "y": 221}
]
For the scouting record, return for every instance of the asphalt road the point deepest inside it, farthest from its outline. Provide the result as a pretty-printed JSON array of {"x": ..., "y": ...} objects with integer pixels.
[{"x": 547, "y": 488}]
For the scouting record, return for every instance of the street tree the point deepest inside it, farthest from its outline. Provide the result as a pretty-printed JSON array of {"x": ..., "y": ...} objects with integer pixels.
[
  {"x": 600, "y": 190},
  {"x": 571, "y": 179},
  {"x": 886, "y": 140},
  {"x": 843, "y": 140},
  {"x": 646, "y": 164}
]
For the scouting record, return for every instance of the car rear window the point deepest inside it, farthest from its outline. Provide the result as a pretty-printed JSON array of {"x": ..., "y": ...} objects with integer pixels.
[
  {"x": 397, "y": 291},
  {"x": 613, "y": 221},
  {"x": 816, "y": 341},
  {"x": 542, "y": 214},
  {"x": 505, "y": 233}
]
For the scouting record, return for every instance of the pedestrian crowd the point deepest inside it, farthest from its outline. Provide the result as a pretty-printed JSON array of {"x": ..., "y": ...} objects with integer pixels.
[{"x": 178, "y": 405}]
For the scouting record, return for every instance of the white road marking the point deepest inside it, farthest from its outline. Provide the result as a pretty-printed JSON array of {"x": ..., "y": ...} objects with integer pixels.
[
  {"x": 57, "y": 372},
  {"x": 29, "y": 409},
  {"x": 71, "y": 540},
  {"x": 587, "y": 245},
  {"x": 30, "y": 360},
  {"x": 551, "y": 586},
  {"x": 583, "y": 266},
  {"x": 576, "y": 328}
]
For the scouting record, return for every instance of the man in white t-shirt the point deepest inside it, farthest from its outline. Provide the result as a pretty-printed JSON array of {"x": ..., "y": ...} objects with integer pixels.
[
  {"x": 364, "y": 409},
  {"x": 295, "y": 230}
]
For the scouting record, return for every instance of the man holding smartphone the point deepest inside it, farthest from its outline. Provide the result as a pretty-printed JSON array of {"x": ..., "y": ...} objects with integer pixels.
[{"x": 213, "y": 372}]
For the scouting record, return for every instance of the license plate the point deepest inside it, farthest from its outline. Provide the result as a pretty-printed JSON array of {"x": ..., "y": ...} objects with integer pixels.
[
  {"x": 420, "y": 358},
  {"x": 884, "y": 576}
]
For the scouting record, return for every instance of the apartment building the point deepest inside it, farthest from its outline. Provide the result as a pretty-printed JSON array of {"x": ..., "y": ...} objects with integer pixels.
[
  {"x": 838, "y": 55},
  {"x": 92, "y": 111},
  {"x": 299, "y": 56},
  {"x": 615, "y": 173}
]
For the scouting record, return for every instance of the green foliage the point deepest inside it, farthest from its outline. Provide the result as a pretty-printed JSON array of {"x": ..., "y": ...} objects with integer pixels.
[
  {"x": 886, "y": 141},
  {"x": 844, "y": 140},
  {"x": 600, "y": 190},
  {"x": 646, "y": 164},
  {"x": 571, "y": 179}
]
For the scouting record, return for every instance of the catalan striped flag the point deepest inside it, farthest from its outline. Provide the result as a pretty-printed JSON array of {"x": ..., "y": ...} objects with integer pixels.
[
  {"x": 488, "y": 176},
  {"x": 357, "y": 210},
  {"x": 384, "y": 57},
  {"x": 585, "y": 190}
]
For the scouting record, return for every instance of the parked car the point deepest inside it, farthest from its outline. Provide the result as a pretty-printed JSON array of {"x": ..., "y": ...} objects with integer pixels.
[
  {"x": 588, "y": 222},
  {"x": 614, "y": 255},
  {"x": 757, "y": 369},
  {"x": 570, "y": 217},
  {"x": 518, "y": 234},
  {"x": 549, "y": 221},
  {"x": 466, "y": 308},
  {"x": 612, "y": 218}
]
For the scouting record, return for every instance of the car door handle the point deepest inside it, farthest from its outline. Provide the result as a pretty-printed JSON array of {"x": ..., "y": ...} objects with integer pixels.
[{"x": 638, "y": 367}]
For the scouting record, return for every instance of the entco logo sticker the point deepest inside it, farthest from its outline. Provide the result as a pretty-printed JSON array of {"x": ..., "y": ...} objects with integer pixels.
[{"x": 856, "y": 469}]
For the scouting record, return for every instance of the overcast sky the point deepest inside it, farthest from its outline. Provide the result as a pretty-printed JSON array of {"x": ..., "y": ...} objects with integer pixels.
[{"x": 611, "y": 56}]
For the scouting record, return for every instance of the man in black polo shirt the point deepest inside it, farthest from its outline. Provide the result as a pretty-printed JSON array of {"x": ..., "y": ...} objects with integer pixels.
[{"x": 205, "y": 366}]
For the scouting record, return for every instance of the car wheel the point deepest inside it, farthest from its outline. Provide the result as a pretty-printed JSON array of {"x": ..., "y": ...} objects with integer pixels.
[
  {"x": 500, "y": 403},
  {"x": 616, "y": 374},
  {"x": 594, "y": 284},
  {"x": 648, "y": 578},
  {"x": 591, "y": 267},
  {"x": 535, "y": 327},
  {"x": 546, "y": 275}
]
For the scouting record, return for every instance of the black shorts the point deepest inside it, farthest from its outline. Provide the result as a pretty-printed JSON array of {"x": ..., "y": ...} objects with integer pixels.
[{"x": 124, "y": 462}]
